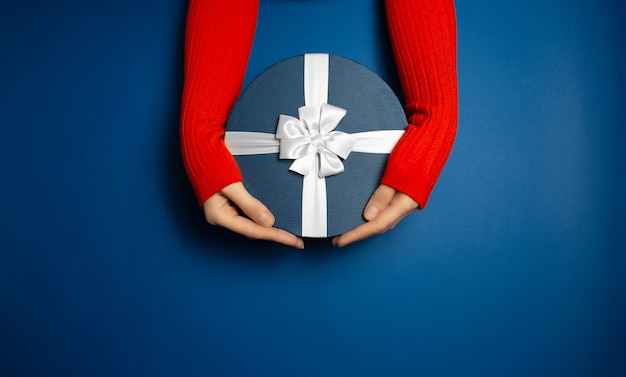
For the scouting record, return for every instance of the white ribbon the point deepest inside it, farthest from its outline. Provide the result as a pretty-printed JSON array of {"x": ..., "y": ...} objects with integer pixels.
[{"x": 310, "y": 140}]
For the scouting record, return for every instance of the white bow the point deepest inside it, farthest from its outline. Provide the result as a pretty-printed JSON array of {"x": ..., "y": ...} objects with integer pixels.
[{"x": 311, "y": 140}]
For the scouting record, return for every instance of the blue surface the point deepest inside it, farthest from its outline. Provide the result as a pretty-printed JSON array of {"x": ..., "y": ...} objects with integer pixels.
[{"x": 516, "y": 267}]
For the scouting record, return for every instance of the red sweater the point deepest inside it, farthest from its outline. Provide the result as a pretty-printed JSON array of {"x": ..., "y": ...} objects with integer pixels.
[{"x": 219, "y": 37}]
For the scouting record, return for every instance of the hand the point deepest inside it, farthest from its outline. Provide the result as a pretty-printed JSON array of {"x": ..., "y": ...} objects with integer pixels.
[
  {"x": 221, "y": 209},
  {"x": 384, "y": 210}
]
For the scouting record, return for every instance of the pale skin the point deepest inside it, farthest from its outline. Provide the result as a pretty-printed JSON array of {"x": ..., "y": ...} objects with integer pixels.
[{"x": 383, "y": 212}]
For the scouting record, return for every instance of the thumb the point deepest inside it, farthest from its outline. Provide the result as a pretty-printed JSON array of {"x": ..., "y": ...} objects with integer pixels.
[
  {"x": 248, "y": 204},
  {"x": 379, "y": 200}
]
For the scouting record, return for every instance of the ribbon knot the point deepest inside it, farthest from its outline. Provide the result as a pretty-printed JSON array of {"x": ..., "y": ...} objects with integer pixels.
[
  {"x": 312, "y": 142},
  {"x": 318, "y": 141}
]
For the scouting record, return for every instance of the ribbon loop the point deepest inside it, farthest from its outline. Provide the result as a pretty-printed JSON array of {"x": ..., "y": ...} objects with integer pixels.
[
  {"x": 330, "y": 116},
  {"x": 340, "y": 143}
]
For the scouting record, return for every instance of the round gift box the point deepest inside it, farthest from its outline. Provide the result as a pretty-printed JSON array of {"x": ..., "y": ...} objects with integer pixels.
[{"x": 371, "y": 106}]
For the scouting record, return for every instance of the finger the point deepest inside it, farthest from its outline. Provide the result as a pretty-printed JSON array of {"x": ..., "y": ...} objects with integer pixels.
[
  {"x": 219, "y": 211},
  {"x": 248, "y": 204},
  {"x": 398, "y": 209},
  {"x": 378, "y": 225},
  {"x": 250, "y": 229},
  {"x": 379, "y": 200}
]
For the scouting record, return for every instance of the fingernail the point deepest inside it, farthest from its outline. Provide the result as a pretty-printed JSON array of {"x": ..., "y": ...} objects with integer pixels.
[
  {"x": 300, "y": 244},
  {"x": 370, "y": 212}
]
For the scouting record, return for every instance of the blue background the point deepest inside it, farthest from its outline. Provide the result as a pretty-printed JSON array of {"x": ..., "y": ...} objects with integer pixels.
[{"x": 516, "y": 267}]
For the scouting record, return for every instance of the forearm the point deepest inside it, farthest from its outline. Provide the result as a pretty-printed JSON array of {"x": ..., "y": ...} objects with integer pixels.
[
  {"x": 218, "y": 40},
  {"x": 423, "y": 36}
]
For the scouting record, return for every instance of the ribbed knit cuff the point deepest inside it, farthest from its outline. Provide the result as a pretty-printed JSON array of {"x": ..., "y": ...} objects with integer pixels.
[
  {"x": 403, "y": 174},
  {"x": 208, "y": 162},
  {"x": 208, "y": 182}
]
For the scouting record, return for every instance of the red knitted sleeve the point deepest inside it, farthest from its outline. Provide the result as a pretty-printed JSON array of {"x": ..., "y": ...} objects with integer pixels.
[
  {"x": 423, "y": 37},
  {"x": 218, "y": 40}
]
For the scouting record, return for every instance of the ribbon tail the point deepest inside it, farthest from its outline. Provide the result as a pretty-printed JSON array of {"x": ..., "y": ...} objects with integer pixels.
[
  {"x": 329, "y": 164},
  {"x": 314, "y": 212}
]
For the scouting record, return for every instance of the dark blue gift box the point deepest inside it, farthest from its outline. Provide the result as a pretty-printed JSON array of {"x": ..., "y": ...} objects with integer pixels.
[{"x": 278, "y": 93}]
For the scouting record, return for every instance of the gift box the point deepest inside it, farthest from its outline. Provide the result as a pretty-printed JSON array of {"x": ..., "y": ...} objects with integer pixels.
[{"x": 311, "y": 135}]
